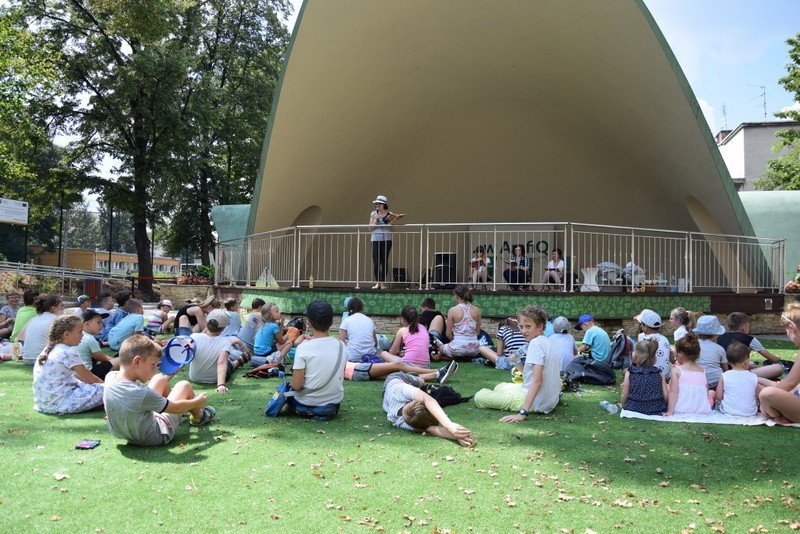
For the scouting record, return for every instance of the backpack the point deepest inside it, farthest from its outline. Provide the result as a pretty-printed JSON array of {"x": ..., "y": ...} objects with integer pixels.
[
  {"x": 621, "y": 350},
  {"x": 590, "y": 371},
  {"x": 444, "y": 395}
]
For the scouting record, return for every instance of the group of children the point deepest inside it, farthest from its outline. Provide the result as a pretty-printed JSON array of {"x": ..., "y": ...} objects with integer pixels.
[{"x": 72, "y": 374}]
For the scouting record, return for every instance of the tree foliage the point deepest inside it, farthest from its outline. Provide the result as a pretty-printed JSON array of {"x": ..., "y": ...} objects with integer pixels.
[
  {"x": 176, "y": 91},
  {"x": 784, "y": 171}
]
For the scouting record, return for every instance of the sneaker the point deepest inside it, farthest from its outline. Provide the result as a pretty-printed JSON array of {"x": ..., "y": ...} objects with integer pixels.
[
  {"x": 447, "y": 371},
  {"x": 208, "y": 415},
  {"x": 479, "y": 361}
]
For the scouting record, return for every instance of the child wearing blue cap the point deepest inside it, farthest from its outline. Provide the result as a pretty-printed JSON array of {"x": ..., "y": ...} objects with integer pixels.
[{"x": 595, "y": 340}]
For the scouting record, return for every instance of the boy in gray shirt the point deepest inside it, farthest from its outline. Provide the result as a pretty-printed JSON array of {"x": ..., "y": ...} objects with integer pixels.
[{"x": 148, "y": 415}]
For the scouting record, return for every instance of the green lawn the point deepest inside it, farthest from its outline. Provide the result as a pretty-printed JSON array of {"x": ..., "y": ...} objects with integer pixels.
[{"x": 575, "y": 469}]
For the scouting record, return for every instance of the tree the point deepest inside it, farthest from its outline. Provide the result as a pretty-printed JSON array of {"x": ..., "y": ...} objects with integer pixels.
[
  {"x": 143, "y": 81},
  {"x": 784, "y": 171},
  {"x": 120, "y": 238},
  {"x": 82, "y": 227}
]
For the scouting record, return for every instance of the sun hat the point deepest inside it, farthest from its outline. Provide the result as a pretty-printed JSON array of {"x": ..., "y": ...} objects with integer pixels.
[
  {"x": 381, "y": 199},
  {"x": 585, "y": 318},
  {"x": 561, "y": 325},
  {"x": 218, "y": 319},
  {"x": 178, "y": 351},
  {"x": 165, "y": 302},
  {"x": 708, "y": 325},
  {"x": 649, "y": 318}
]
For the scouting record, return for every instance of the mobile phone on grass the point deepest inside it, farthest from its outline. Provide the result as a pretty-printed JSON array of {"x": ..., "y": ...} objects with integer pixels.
[{"x": 88, "y": 444}]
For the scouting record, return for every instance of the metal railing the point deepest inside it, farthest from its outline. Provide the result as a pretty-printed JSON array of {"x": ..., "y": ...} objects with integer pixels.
[
  {"x": 21, "y": 270},
  {"x": 424, "y": 256}
]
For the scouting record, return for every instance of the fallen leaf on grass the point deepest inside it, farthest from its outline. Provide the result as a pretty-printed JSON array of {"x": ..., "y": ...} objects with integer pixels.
[
  {"x": 629, "y": 459},
  {"x": 60, "y": 476},
  {"x": 55, "y": 518}
]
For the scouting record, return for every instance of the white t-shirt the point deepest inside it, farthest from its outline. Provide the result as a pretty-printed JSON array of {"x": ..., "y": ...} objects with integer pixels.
[
  {"x": 37, "y": 333},
  {"x": 396, "y": 395},
  {"x": 565, "y": 347},
  {"x": 542, "y": 352},
  {"x": 679, "y": 333},
  {"x": 739, "y": 393},
  {"x": 662, "y": 352},
  {"x": 360, "y": 336},
  {"x": 318, "y": 357},
  {"x": 203, "y": 368}
]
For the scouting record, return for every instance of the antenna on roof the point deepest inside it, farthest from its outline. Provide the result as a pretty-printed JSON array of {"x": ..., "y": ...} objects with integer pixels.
[
  {"x": 763, "y": 96},
  {"x": 724, "y": 117}
]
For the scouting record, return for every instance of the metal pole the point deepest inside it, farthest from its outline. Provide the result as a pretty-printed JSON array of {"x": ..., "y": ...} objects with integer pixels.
[
  {"x": 738, "y": 266},
  {"x": 249, "y": 259},
  {"x": 358, "y": 256},
  {"x": 110, "y": 234},
  {"x": 496, "y": 265},
  {"x": 421, "y": 258},
  {"x": 61, "y": 231}
]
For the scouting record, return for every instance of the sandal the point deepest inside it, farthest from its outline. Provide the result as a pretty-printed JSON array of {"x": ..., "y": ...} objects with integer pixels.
[{"x": 208, "y": 415}]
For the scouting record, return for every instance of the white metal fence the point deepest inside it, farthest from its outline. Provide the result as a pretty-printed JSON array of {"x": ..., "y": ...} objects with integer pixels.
[{"x": 597, "y": 258}]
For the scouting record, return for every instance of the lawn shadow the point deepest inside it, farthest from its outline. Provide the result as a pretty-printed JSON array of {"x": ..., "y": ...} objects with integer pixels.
[{"x": 187, "y": 446}]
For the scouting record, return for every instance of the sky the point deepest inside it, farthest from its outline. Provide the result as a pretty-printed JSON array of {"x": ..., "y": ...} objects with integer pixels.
[{"x": 727, "y": 49}]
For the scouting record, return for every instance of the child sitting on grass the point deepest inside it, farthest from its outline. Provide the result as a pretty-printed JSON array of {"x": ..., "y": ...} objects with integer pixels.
[
  {"x": 413, "y": 338},
  {"x": 215, "y": 360},
  {"x": 644, "y": 388},
  {"x": 252, "y": 324},
  {"x": 781, "y": 401},
  {"x": 737, "y": 389},
  {"x": 541, "y": 386},
  {"x": 132, "y": 322},
  {"x": 61, "y": 382},
  {"x": 89, "y": 348},
  {"x": 688, "y": 389},
  {"x": 148, "y": 415},
  {"x": 410, "y": 408},
  {"x": 509, "y": 340},
  {"x": 270, "y": 344}
]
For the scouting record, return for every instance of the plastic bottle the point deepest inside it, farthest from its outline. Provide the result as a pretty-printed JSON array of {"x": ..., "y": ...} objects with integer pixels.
[
  {"x": 311, "y": 282},
  {"x": 15, "y": 350},
  {"x": 610, "y": 407}
]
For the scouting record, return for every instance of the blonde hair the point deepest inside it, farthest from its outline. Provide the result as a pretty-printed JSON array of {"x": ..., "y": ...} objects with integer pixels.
[
  {"x": 791, "y": 312},
  {"x": 138, "y": 345},
  {"x": 644, "y": 352},
  {"x": 416, "y": 415},
  {"x": 60, "y": 326},
  {"x": 266, "y": 310}
]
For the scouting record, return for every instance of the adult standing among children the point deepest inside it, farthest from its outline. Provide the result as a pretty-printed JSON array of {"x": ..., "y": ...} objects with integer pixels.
[
  {"x": 781, "y": 402},
  {"x": 192, "y": 317},
  {"x": 36, "y": 332},
  {"x": 380, "y": 221},
  {"x": 462, "y": 326}
]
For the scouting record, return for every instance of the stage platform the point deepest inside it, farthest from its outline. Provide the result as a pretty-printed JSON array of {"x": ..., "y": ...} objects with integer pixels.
[{"x": 498, "y": 304}]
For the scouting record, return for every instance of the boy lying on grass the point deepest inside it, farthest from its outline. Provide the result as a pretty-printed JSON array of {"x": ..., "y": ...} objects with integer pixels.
[
  {"x": 409, "y": 407},
  {"x": 148, "y": 415}
]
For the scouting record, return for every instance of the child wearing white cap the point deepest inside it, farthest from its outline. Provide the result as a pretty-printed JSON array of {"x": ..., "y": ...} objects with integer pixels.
[{"x": 650, "y": 328}]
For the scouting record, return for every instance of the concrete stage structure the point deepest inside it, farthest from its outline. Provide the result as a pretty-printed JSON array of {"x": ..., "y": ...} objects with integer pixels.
[{"x": 489, "y": 110}]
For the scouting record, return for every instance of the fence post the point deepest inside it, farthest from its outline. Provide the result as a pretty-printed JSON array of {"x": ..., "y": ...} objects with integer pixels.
[
  {"x": 496, "y": 265},
  {"x": 421, "y": 258},
  {"x": 633, "y": 262},
  {"x": 689, "y": 263},
  {"x": 296, "y": 280},
  {"x": 358, "y": 256},
  {"x": 738, "y": 265},
  {"x": 427, "y": 258}
]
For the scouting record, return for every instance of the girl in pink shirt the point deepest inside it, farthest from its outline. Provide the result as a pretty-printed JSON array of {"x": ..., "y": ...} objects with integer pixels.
[{"x": 413, "y": 337}]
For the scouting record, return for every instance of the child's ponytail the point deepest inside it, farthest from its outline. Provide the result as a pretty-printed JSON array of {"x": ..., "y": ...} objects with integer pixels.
[
  {"x": 409, "y": 313},
  {"x": 60, "y": 326}
]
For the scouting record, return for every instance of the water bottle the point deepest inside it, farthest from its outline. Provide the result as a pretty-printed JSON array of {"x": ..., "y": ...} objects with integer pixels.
[
  {"x": 311, "y": 282},
  {"x": 15, "y": 350},
  {"x": 610, "y": 407}
]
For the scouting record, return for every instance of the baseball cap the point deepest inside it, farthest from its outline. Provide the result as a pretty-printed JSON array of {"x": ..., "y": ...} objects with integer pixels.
[
  {"x": 218, "y": 319},
  {"x": 561, "y": 325},
  {"x": 91, "y": 313},
  {"x": 166, "y": 302},
  {"x": 585, "y": 318},
  {"x": 649, "y": 318},
  {"x": 177, "y": 352},
  {"x": 83, "y": 298}
]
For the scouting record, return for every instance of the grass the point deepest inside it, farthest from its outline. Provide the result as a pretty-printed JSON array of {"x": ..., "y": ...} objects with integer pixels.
[{"x": 575, "y": 469}]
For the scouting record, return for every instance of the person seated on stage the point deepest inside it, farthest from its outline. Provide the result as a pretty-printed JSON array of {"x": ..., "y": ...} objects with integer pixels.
[
  {"x": 595, "y": 340},
  {"x": 411, "y": 340},
  {"x": 479, "y": 265},
  {"x": 650, "y": 328},
  {"x": 518, "y": 268},
  {"x": 432, "y": 319},
  {"x": 554, "y": 272},
  {"x": 462, "y": 326},
  {"x": 739, "y": 330}
]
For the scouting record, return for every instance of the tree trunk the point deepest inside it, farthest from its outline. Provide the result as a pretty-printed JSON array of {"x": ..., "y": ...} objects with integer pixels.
[{"x": 143, "y": 254}]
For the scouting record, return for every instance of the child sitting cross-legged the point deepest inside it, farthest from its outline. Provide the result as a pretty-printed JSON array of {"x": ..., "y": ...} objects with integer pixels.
[
  {"x": 737, "y": 389},
  {"x": 688, "y": 389},
  {"x": 409, "y": 407},
  {"x": 644, "y": 388},
  {"x": 215, "y": 359},
  {"x": 148, "y": 415}
]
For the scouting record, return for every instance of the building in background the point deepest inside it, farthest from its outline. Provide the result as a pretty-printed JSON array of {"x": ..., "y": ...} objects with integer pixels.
[
  {"x": 747, "y": 150},
  {"x": 97, "y": 260}
]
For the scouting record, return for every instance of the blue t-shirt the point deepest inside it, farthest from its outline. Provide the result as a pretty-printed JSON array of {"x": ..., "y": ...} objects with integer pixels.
[
  {"x": 125, "y": 329},
  {"x": 112, "y": 321},
  {"x": 599, "y": 343},
  {"x": 265, "y": 339}
]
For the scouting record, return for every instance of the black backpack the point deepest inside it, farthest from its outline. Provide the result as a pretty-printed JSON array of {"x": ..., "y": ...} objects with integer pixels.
[
  {"x": 590, "y": 371},
  {"x": 444, "y": 395},
  {"x": 621, "y": 350}
]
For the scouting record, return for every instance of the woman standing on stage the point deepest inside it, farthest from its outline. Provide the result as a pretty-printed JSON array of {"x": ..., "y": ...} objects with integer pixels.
[{"x": 380, "y": 221}]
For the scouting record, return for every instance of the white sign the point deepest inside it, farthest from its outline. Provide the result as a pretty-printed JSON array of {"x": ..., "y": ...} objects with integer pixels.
[{"x": 13, "y": 211}]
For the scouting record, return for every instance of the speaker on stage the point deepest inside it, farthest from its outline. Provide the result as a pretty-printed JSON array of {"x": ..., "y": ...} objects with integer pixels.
[{"x": 444, "y": 270}]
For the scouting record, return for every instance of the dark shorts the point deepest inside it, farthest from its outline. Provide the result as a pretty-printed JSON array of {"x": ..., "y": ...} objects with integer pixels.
[
  {"x": 101, "y": 369},
  {"x": 317, "y": 413}
]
